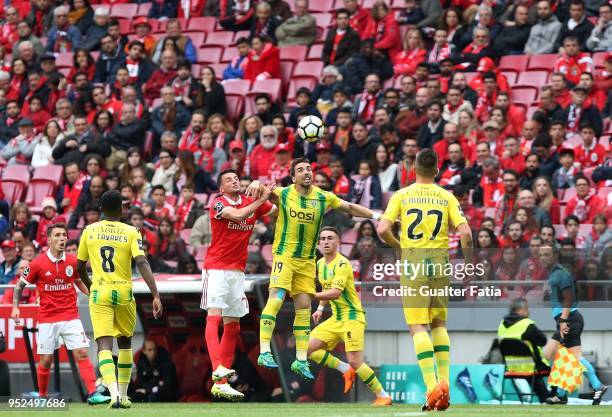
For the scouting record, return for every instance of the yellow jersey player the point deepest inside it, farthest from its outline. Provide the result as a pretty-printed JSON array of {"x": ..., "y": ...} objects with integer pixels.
[
  {"x": 109, "y": 245},
  {"x": 301, "y": 207},
  {"x": 426, "y": 211},
  {"x": 347, "y": 323}
]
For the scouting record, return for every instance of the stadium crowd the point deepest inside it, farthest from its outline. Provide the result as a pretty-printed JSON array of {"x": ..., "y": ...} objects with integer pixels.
[{"x": 154, "y": 100}]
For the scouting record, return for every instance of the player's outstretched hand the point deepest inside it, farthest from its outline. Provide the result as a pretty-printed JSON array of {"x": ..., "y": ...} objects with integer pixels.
[
  {"x": 157, "y": 308},
  {"x": 15, "y": 315},
  {"x": 267, "y": 190},
  {"x": 254, "y": 189},
  {"x": 316, "y": 316}
]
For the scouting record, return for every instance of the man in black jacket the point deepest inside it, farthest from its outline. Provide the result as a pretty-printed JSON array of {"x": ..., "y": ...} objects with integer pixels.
[
  {"x": 171, "y": 115},
  {"x": 130, "y": 131},
  {"x": 518, "y": 325},
  {"x": 577, "y": 25},
  {"x": 338, "y": 51},
  {"x": 577, "y": 112},
  {"x": 110, "y": 59},
  {"x": 433, "y": 130},
  {"x": 74, "y": 147},
  {"x": 367, "y": 61},
  {"x": 512, "y": 38},
  {"x": 156, "y": 379}
]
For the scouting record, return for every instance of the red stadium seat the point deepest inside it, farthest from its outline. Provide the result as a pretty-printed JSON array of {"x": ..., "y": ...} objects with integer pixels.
[
  {"x": 308, "y": 69},
  {"x": 525, "y": 95},
  {"x": 124, "y": 10},
  {"x": 201, "y": 24},
  {"x": 295, "y": 53},
  {"x": 346, "y": 249},
  {"x": 209, "y": 54},
  {"x": 367, "y": 4},
  {"x": 224, "y": 39},
  {"x": 241, "y": 34},
  {"x": 235, "y": 107},
  {"x": 270, "y": 86},
  {"x": 143, "y": 9},
  {"x": 511, "y": 76},
  {"x": 19, "y": 173},
  {"x": 516, "y": 63},
  {"x": 604, "y": 192},
  {"x": 202, "y": 198},
  {"x": 321, "y": 34},
  {"x": 195, "y": 69},
  {"x": 238, "y": 87},
  {"x": 530, "y": 111},
  {"x": 198, "y": 38},
  {"x": 599, "y": 59},
  {"x": 349, "y": 236},
  {"x": 73, "y": 234},
  {"x": 532, "y": 78},
  {"x": 125, "y": 25},
  {"x": 228, "y": 54},
  {"x": 13, "y": 191},
  {"x": 64, "y": 59},
  {"x": 184, "y": 234},
  {"x": 286, "y": 69},
  {"x": 319, "y": 6},
  {"x": 37, "y": 191},
  {"x": 315, "y": 53},
  {"x": 545, "y": 62},
  {"x": 568, "y": 195},
  {"x": 324, "y": 20},
  {"x": 54, "y": 173}
]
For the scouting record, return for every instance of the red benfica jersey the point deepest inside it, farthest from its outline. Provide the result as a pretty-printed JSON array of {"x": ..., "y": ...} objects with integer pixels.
[
  {"x": 54, "y": 280},
  {"x": 228, "y": 246}
]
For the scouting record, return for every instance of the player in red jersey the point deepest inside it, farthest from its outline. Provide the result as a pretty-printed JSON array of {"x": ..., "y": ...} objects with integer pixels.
[
  {"x": 232, "y": 218},
  {"x": 54, "y": 274}
]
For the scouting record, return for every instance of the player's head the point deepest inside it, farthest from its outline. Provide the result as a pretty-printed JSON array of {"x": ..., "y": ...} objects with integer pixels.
[
  {"x": 111, "y": 204},
  {"x": 329, "y": 238},
  {"x": 427, "y": 164},
  {"x": 548, "y": 255},
  {"x": 301, "y": 172},
  {"x": 229, "y": 182},
  {"x": 57, "y": 236},
  {"x": 519, "y": 306}
]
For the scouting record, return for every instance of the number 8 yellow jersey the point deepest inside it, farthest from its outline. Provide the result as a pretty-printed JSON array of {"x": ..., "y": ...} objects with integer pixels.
[
  {"x": 425, "y": 211},
  {"x": 110, "y": 247}
]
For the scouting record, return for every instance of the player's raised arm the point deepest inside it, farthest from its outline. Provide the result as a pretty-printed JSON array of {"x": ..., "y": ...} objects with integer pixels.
[
  {"x": 385, "y": 223},
  {"x": 358, "y": 211},
  {"x": 238, "y": 215}
]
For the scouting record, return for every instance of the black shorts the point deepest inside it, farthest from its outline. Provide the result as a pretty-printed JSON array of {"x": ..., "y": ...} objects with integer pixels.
[{"x": 576, "y": 324}]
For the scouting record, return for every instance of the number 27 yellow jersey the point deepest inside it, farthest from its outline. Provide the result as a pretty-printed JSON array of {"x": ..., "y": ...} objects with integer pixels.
[{"x": 425, "y": 211}]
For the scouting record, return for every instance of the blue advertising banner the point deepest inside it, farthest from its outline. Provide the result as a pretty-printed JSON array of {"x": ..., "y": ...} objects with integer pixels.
[{"x": 469, "y": 384}]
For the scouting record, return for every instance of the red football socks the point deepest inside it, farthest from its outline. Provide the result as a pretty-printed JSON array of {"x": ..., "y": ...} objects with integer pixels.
[
  {"x": 212, "y": 339},
  {"x": 228, "y": 343},
  {"x": 88, "y": 375},
  {"x": 42, "y": 374}
]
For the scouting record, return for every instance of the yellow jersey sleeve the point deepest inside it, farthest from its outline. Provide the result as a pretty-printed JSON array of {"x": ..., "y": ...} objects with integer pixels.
[
  {"x": 455, "y": 213},
  {"x": 393, "y": 208},
  {"x": 332, "y": 200},
  {"x": 83, "y": 251},
  {"x": 278, "y": 190},
  {"x": 342, "y": 274},
  {"x": 136, "y": 243}
]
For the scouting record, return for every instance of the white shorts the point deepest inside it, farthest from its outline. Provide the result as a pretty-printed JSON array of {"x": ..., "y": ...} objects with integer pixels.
[
  {"x": 224, "y": 289},
  {"x": 52, "y": 335}
]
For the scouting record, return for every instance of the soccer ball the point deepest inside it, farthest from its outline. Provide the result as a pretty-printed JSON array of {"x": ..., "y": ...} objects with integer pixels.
[{"x": 311, "y": 128}]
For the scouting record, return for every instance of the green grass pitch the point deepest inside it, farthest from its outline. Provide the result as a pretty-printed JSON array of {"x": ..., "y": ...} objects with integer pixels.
[{"x": 323, "y": 410}]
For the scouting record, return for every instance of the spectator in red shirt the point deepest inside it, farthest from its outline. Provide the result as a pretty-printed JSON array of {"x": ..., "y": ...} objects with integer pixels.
[
  {"x": 281, "y": 165},
  {"x": 487, "y": 97},
  {"x": 512, "y": 158},
  {"x": 596, "y": 96},
  {"x": 527, "y": 220},
  {"x": 490, "y": 189},
  {"x": 406, "y": 60},
  {"x": 189, "y": 209},
  {"x": 49, "y": 216},
  {"x": 341, "y": 42},
  {"x": 453, "y": 165},
  {"x": 590, "y": 154},
  {"x": 8, "y": 30},
  {"x": 262, "y": 156},
  {"x": 341, "y": 184},
  {"x": 475, "y": 51},
  {"x": 237, "y": 158},
  {"x": 161, "y": 76},
  {"x": 505, "y": 205},
  {"x": 383, "y": 28},
  {"x": 559, "y": 88},
  {"x": 190, "y": 141},
  {"x": 451, "y": 135},
  {"x": 263, "y": 60},
  {"x": 572, "y": 63},
  {"x": 162, "y": 207},
  {"x": 586, "y": 204},
  {"x": 358, "y": 16},
  {"x": 191, "y": 8},
  {"x": 513, "y": 236}
]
